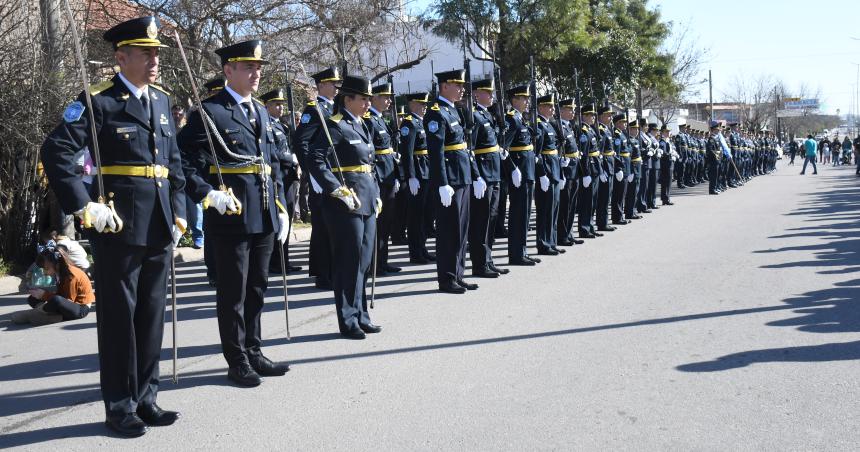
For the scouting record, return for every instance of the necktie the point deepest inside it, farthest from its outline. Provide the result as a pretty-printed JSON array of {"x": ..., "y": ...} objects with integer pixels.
[
  {"x": 252, "y": 116},
  {"x": 144, "y": 100}
]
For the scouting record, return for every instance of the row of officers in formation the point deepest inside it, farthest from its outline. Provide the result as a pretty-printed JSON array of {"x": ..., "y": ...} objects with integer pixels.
[{"x": 579, "y": 178}]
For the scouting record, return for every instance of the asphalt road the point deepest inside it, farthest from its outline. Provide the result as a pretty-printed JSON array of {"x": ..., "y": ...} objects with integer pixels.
[{"x": 724, "y": 322}]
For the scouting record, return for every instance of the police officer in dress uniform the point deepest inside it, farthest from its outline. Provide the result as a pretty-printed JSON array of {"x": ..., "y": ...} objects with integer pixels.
[
  {"x": 611, "y": 170},
  {"x": 631, "y": 196},
  {"x": 243, "y": 240},
  {"x": 350, "y": 202},
  {"x": 199, "y": 160},
  {"x": 319, "y": 262},
  {"x": 621, "y": 146},
  {"x": 646, "y": 152},
  {"x": 656, "y": 166},
  {"x": 414, "y": 160},
  {"x": 143, "y": 180},
  {"x": 520, "y": 164},
  {"x": 386, "y": 170},
  {"x": 591, "y": 170},
  {"x": 275, "y": 101},
  {"x": 452, "y": 172},
  {"x": 713, "y": 157},
  {"x": 488, "y": 157},
  {"x": 680, "y": 142},
  {"x": 666, "y": 162},
  {"x": 571, "y": 172},
  {"x": 548, "y": 173}
]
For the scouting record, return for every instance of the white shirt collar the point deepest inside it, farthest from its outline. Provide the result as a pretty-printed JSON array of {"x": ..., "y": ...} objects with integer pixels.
[
  {"x": 135, "y": 91},
  {"x": 239, "y": 99},
  {"x": 375, "y": 111},
  {"x": 446, "y": 100},
  {"x": 345, "y": 113},
  {"x": 417, "y": 115},
  {"x": 325, "y": 99},
  {"x": 485, "y": 107}
]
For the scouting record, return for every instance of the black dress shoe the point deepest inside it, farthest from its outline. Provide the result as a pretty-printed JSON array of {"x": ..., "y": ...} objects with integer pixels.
[
  {"x": 322, "y": 283},
  {"x": 654, "y": 207},
  {"x": 713, "y": 192},
  {"x": 266, "y": 368},
  {"x": 387, "y": 268},
  {"x": 566, "y": 243},
  {"x": 597, "y": 234},
  {"x": 244, "y": 375},
  {"x": 452, "y": 287},
  {"x": 635, "y": 217},
  {"x": 536, "y": 260},
  {"x": 154, "y": 415},
  {"x": 129, "y": 425},
  {"x": 559, "y": 250},
  {"x": 578, "y": 242},
  {"x": 588, "y": 236},
  {"x": 486, "y": 274},
  {"x": 353, "y": 333},
  {"x": 523, "y": 262},
  {"x": 549, "y": 252},
  {"x": 370, "y": 328},
  {"x": 467, "y": 286},
  {"x": 621, "y": 222},
  {"x": 501, "y": 271},
  {"x": 668, "y": 203},
  {"x": 606, "y": 229}
]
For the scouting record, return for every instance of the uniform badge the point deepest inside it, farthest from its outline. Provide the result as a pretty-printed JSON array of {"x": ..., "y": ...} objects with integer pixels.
[
  {"x": 258, "y": 52},
  {"x": 152, "y": 30},
  {"x": 404, "y": 131},
  {"x": 433, "y": 126},
  {"x": 306, "y": 118},
  {"x": 583, "y": 138},
  {"x": 617, "y": 142},
  {"x": 74, "y": 111}
]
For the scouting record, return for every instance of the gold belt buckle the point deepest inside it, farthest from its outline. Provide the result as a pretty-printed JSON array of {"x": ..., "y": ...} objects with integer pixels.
[{"x": 158, "y": 171}]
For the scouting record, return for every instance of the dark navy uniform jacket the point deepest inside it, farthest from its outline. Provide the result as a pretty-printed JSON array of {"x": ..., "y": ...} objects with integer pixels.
[
  {"x": 547, "y": 164},
  {"x": 309, "y": 125},
  {"x": 484, "y": 137},
  {"x": 413, "y": 139},
  {"x": 518, "y": 135},
  {"x": 147, "y": 206},
  {"x": 666, "y": 158},
  {"x": 353, "y": 143},
  {"x": 258, "y": 214},
  {"x": 289, "y": 170},
  {"x": 635, "y": 147},
  {"x": 444, "y": 129},
  {"x": 604, "y": 145},
  {"x": 385, "y": 159},
  {"x": 569, "y": 148},
  {"x": 591, "y": 165},
  {"x": 655, "y": 148},
  {"x": 621, "y": 146},
  {"x": 644, "y": 147}
]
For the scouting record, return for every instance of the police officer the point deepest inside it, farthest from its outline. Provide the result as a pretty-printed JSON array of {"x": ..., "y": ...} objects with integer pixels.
[
  {"x": 592, "y": 172},
  {"x": 666, "y": 162},
  {"x": 631, "y": 197},
  {"x": 656, "y": 165},
  {"x": 143, "y": 182},
  {"x": 343, "y": 168},
  {"x": 548, "y": 173},
  {"x": 385, "y": 169},
  {"x": 621, "y": 146},
  {"x": 647, "y": 153},
  {"x": 243, "y": 241},
  {"x": 681, "y": 144},
  {"x": 290, "y": 172},
  {"x": 713, "y": 156},
  {"x": 571, "y": 172},
  {"x": 319, "y": 260},
  {"x": 612, "y": 170},
  {"x": 452, "y": 172},
  {"x": 488, "y": 156},
  {"x": 416, "y": 170},
  {"x": 521, "y": 167}
]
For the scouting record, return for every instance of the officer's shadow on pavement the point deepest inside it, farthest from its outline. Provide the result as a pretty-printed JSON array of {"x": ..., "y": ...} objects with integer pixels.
[{"x": 831, "y": 310}]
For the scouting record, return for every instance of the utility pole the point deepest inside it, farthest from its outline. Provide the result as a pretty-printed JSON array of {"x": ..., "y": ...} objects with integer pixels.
[{"x": 710, "y": 97}]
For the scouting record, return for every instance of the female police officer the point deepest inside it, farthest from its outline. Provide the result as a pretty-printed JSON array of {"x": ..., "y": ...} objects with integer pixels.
[{"x": 341, "y": 159}]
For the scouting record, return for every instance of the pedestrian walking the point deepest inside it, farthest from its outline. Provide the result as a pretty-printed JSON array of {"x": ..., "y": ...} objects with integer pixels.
[{"x": 811, "y": 149}]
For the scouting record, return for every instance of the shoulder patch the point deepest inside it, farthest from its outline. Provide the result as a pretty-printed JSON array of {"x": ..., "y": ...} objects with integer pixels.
[
  {"x": 99, "y": 87},
  {"x": 336, "y": 118},
  {"x": 306, "y": 118},
  {"x": 73, "y": 111},
  {"x": 404, "y": 131},
  {"x": 312, "y": 103},
  {"x": 433, "y": 126},
  {"x": 160, "y": 88},
  {"x": 435, "y": 107}
]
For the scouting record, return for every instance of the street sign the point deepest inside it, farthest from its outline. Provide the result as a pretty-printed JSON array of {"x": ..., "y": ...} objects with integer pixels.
[
  {"x": 791, "y": 99},
  {"x": 802, "y": 104},
  {"x": 789, "y": 113}
]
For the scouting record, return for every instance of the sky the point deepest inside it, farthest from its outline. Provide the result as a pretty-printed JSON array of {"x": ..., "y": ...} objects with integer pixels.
[{"x": 797, "y": 41}]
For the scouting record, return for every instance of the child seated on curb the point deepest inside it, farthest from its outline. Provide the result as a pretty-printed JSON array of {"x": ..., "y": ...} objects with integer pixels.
[{"x": 73, "y": 296}]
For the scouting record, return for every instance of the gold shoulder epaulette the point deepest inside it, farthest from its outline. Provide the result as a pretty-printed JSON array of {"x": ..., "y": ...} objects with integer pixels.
[
  {"x": 511, "y": 113},
  {"x": 99, "y": 87},
  {"x": 336, "y": 118},
  {"x": 435, "y": 107},
  {"x": 312, "y": 103},
  {"x": 366, "y": 115},
  {"x": 408, "y": 118},
  {"x": 617, "y": 132},
  {"x": 585, "y": 128},
  {"x": 539, "y": 121},
  {"x": 160, "y": 88}
]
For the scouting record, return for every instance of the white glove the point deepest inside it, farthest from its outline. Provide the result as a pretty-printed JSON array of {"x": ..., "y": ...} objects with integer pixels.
[
  {"x": 537, "y": 158},
  {"x": 414, "y": 185},
  {"x": 619, "y": 176},
  {"x": 314, "y": 185},
  {"x": 221, "y": 201},
  {"x": 504, "y": 154},
  {"x": 630, "y": 178},
  {"x": 650, "y": 153},
  {"x": 99, "y": 215},
  {"x": 396, "y": 185},
  {"x": 295, "y": 159},
  {"x": 565, "y": 162},
  {"x": 517, "y": 177},
  {"x": 544, "y": 183},
  {"x": 480, "y": 187},
  {"x": 346, "y": 196},
  {"x": 378, "y": 202},
  {"x": 603, "y": 178},
  {"x": 586, "y": 181},
  {"x": 284, "y": 227},
  {"x": 179, "y": 227},
  {"x": 446, "y": 193}
]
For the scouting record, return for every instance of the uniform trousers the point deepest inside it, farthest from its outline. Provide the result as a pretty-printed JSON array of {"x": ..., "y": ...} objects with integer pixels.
[
  {"x": 546, "y": 219},
  {"x": 351, "y": 238},
  {"x": 415, "y": 225},
  {"x": 518, "y": 219},
  {"x": 482, "y": 227},
  {"x": 452, "y": 229},
  {"x": 567, "y": 205}
]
